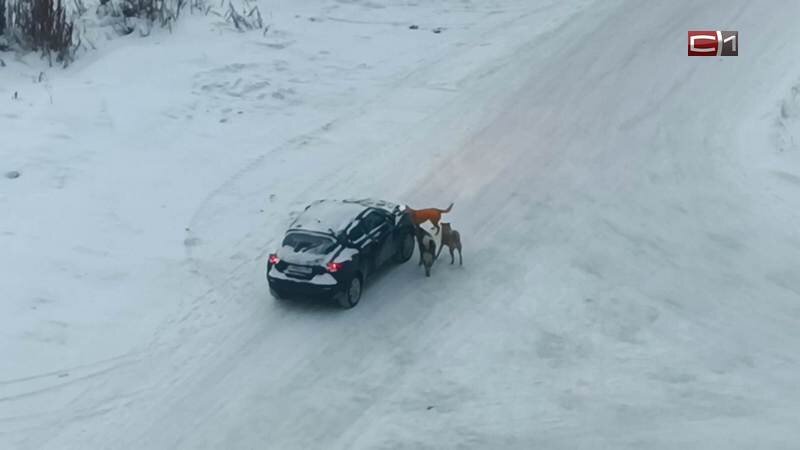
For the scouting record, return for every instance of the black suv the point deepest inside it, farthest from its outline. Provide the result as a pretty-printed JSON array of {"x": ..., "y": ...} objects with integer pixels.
[{"x": 334, "y": 245}]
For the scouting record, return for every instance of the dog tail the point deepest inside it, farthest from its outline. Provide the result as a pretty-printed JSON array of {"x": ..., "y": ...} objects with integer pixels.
[{"x": 448, "y": 208}]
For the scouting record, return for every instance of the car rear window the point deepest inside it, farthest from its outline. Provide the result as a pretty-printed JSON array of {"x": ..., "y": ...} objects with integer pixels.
[{"x": 309, "y": 243}]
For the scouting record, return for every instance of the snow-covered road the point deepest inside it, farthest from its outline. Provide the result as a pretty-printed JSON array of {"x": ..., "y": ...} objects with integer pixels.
[{"x": 630, "y": 219}]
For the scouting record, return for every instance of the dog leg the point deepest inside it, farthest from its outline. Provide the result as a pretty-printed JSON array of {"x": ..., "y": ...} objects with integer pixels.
[
  {"x": 452, "y": 256},
  {"x": 460, "y": 259},
  {"x": 428, "y": 258}
]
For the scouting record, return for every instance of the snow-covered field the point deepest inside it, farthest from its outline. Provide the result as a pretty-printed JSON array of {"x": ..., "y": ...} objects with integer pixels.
[{"x": 630, "y": 217}]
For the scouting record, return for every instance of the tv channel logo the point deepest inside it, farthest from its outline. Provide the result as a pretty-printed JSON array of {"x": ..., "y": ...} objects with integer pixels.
[{"x": 713, "y": 43}]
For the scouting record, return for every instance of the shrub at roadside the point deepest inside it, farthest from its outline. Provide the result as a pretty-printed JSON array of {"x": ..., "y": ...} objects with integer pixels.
[
  {"x": 2, "y": 17},
  {"x": 40, "y": 25}
]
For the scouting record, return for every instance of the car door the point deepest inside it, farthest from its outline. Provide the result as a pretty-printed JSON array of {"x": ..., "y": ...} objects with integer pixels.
[
  {"x": 361, "y": 240},
  {"x": 380, "y": 231}
]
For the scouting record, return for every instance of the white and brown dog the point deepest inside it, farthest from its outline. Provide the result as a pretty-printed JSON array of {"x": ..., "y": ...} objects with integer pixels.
[{"x": 427, "y": 249}]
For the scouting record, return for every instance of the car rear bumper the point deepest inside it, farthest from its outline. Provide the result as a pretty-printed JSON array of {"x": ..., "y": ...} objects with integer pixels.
[{"x": 287, "y": 288}]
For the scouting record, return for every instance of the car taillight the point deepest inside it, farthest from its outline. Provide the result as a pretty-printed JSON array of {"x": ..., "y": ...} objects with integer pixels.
[
  {"x": 273, "y": 259},
  {"x": 334, "y": 267}
]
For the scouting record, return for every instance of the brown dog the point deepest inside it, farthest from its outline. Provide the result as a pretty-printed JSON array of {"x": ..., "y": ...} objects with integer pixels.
[
  {"x": 452, "y": 239},
  {"x": 419, "y": 216}
]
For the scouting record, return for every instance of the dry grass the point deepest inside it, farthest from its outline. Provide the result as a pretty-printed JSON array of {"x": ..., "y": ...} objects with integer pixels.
[{"x": 41, "y": 25}]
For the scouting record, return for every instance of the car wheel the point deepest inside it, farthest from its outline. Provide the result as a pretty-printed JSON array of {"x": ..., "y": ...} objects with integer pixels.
[
  {"x": 406, "y": 249},
  {"x": 352, "y": 295}
]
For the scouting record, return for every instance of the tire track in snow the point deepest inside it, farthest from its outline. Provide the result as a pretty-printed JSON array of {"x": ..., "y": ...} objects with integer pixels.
[
  {"x": 255, "y": 344},
  {"x": 251, "y": 337}
]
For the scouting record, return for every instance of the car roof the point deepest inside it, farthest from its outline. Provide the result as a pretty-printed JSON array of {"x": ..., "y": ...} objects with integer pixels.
[{"x": 335, "y": 215}]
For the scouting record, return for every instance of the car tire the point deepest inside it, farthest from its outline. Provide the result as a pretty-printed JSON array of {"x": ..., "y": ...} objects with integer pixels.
[
  {"x": 352, "y": 295},
  {"x": 406, "y": 248}
]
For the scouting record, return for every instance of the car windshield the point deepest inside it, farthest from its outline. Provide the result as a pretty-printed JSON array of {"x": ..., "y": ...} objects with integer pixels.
[{"x": 309, "y": 243}]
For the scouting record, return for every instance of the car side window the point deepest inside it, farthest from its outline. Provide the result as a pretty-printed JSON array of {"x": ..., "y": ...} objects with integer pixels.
[
  {"x": 372, "y": 221},
  {"x": 356, "y": 233}
]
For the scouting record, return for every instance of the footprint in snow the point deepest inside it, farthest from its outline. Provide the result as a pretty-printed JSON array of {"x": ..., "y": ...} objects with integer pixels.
[{"x": 191, "y": 242}]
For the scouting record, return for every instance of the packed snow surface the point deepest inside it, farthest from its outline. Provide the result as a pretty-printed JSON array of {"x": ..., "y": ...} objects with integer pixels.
[{"x": 630, "y": 219}]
